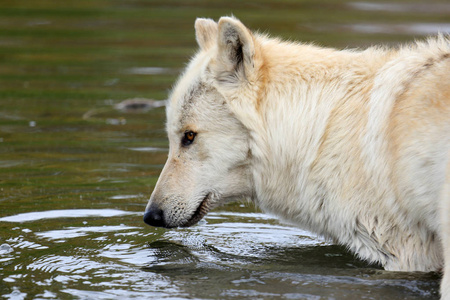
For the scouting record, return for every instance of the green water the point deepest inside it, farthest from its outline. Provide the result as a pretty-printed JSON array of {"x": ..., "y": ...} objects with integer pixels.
[{"x": 86, "y": 169}]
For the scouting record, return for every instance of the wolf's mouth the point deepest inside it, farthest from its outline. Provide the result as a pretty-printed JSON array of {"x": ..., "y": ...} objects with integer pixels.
[{"x": 200, "y": 212}]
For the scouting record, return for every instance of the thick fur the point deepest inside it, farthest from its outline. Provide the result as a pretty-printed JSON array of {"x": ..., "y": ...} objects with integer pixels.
[{"x": 352, "y": 145}]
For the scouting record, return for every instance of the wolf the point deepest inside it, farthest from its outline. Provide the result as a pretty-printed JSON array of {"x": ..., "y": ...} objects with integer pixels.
[{"x": 353, "y": 145}]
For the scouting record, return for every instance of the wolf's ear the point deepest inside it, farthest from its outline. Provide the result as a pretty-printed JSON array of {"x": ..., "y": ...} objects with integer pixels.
[
  {"x": 206, "y": 33},
  {"x": 236, "y": 50}
]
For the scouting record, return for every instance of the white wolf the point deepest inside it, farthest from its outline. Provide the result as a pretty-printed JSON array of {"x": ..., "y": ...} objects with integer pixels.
[{"x": 352, "y": 145}]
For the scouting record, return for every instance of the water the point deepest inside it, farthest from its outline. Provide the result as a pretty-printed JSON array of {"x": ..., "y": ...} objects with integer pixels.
[{"x": 77, "y": 168}]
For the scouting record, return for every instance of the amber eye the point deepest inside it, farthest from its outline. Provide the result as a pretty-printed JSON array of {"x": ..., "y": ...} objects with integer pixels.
[{"x": 188, "y": 138}]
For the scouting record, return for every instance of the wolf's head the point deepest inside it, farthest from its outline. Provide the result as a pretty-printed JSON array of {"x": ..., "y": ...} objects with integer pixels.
[{"x": 208, "y": 119}]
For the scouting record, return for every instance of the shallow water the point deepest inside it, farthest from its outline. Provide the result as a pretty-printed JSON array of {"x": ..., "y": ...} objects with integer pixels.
[{"x": 76, "y": 169}]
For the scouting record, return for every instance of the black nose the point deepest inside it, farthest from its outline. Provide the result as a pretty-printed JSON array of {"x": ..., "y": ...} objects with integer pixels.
[{"x": 154, "y": 217}]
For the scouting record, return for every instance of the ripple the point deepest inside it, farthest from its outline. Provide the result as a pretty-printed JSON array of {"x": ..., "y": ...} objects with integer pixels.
[
  {"x": 124, "y": 294},
  {"x": 139, "y": 104},
  {"x": 124, "y": 197},
  {"x": 15, "y": 295},
  {"x": 436, "y": 8},
  {"x": 149, "y": 149},
  {"x": 5, "y": 248},
  {"x": 66, "y": 213},
  {"x": 75, "y": 232},
  {"x": 241, "y": 234},
  {"x": 150, "y": 71},
  {"x": 414, "y": 28},
  {"x": 20, "y": 243},
  {"x": 245, "y": 239},
  {"x": 64, "y": 264},
  {"x": 10, "y": 163},
  {"x": 382, "y": 28},
  {"x": 127, "y": 254}
]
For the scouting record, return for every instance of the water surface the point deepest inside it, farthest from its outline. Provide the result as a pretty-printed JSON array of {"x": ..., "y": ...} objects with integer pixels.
[{"x": 77, "y": 168}]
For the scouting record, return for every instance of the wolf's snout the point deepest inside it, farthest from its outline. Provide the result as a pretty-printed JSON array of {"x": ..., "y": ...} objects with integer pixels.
[{"x": 154, "y": 216}]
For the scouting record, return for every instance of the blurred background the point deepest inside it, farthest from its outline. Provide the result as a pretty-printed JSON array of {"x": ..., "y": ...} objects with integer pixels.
[{"x": 77, "y": 164}]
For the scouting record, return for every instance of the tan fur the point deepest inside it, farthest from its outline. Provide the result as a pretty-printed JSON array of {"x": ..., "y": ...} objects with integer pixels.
[{"x": 353, "y": 145}]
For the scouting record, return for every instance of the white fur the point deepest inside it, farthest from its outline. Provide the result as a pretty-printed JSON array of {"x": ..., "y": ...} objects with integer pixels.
[{"x": 352, "y": 145}]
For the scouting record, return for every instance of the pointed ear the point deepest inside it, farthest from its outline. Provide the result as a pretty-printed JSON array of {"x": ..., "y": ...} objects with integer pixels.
[
  {"x": 236, "y": 49},
  {"x": 206, "y": 33}
]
